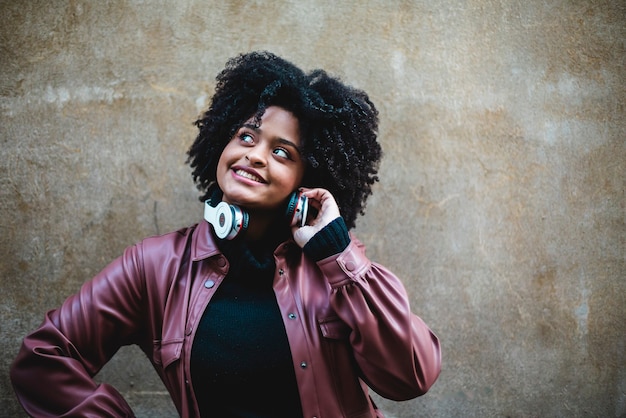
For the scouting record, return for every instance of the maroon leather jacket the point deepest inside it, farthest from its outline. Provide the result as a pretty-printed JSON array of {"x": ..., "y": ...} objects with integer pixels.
[{"x": 348, "y": 323}]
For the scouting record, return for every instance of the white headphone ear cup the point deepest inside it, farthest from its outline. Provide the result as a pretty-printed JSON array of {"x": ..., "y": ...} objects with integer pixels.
[
  {"x": 239, "y": 222},
  {"x": 223, "y": 220},
  {"x": 228, "y": 221}
]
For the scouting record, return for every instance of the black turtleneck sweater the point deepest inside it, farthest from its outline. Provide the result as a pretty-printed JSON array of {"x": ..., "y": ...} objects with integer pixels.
[{"x": 241, "y": 363}]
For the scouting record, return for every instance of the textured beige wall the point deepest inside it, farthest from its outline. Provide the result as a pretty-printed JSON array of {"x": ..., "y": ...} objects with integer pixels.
[{"x": 502, "y": 195}]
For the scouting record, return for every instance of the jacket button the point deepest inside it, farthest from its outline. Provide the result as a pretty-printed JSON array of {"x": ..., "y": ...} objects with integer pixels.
[
  {"x": 292, "y": 316},
  {"x": 221, "y": 261},
  {"x": 209, "y": 284},
  {"x": 350, "y": 265},
  {"x": 281, "y": 271},
  {"x": 303, "y": 365}
]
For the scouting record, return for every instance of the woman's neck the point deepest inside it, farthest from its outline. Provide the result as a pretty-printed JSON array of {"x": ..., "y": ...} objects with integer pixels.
[{"x": 263, "y": 225}]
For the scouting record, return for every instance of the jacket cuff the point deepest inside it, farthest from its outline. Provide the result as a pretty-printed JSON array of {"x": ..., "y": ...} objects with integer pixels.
[{"x": 348, "y": 266}]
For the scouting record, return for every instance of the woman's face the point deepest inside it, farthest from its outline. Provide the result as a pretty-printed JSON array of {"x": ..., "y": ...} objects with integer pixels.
[{"x": 261, "y": 166}]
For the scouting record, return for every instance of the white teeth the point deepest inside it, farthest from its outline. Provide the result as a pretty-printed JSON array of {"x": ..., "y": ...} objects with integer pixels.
[{"x": 247, "y": 175}]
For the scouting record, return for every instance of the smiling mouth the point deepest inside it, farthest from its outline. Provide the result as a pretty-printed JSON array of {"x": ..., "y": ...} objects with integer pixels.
[{"x": 249, "y": 176}]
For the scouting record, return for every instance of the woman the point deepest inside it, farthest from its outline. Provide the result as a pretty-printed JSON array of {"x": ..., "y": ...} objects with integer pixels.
[{"x": 267, "y": 308}]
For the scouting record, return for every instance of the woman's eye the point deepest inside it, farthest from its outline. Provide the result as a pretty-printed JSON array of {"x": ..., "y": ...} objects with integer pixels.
[
  {"x": 281, "y": 152},
  {"x": 247, "y": 138}
]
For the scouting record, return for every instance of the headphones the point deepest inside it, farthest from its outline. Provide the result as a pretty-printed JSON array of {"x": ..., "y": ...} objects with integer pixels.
[{"x": 229, "y": 221}]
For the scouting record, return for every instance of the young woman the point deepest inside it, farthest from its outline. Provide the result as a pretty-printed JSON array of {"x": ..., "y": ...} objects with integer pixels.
[{"x": 269, "y": 307}]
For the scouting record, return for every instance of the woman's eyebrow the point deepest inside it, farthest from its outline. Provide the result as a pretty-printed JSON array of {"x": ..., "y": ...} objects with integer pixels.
[{"x": 252, "y": 126}]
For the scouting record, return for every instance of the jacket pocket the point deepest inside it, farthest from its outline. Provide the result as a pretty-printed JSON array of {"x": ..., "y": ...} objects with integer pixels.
[
  {"x": 167, "y": 352},
  {"x": 341, "y": 365},
  {"x": 334, "y": 328}
]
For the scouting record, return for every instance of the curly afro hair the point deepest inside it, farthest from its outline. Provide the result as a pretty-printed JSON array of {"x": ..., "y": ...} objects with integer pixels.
[{"x": 338, "y": 125}]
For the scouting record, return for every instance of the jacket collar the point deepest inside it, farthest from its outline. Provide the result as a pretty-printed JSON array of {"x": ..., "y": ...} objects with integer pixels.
[{"x": 203, "y": 243}]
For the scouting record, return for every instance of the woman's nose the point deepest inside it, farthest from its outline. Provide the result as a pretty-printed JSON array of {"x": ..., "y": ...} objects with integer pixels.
[{"x": 256, "y": 156}]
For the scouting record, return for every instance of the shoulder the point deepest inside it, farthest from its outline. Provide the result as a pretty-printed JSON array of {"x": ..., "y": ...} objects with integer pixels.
[
  {"x": 169, "y": 238},
  {"x": 163, "y": 248}
]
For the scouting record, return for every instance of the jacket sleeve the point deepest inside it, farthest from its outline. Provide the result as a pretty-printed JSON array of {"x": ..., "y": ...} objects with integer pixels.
[
  {"x": 53, "y": 372},
  {"x": 399, "y": 356}
]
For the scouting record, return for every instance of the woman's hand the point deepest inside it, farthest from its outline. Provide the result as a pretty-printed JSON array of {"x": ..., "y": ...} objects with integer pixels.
[{"x": 325, "y": 210}]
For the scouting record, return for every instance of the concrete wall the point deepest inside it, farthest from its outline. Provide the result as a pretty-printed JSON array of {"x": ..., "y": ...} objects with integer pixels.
[{"x": 502, "y": 195}]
